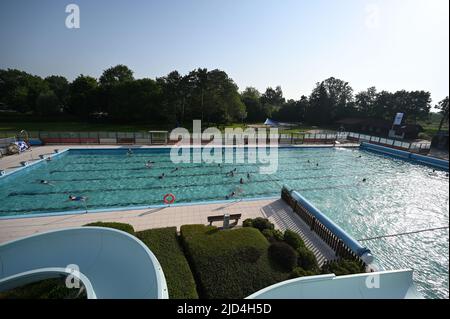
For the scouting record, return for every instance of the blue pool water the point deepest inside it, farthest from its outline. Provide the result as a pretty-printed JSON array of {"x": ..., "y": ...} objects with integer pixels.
[{"x": 398, "y": 196}]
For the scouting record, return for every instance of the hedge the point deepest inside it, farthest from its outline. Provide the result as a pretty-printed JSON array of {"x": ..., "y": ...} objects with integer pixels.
[
  {"x": 54, "y": 288},
  {"x": 293, "y": 239},
  {"x": 230, "y": 263},
  {"x": 343, "y": 267},
  {"x": 283, "y": 255},
  {"x": 120, "y": 226},
  {"x": 163, "y": 242}
]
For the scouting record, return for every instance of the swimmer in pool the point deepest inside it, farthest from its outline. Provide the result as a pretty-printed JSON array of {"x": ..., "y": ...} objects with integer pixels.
[
  {"x": 317, "y": 164},
  {"x": 364, "y": 180},
  {"x": 149, "y": 164},
  {"x": 44, "y": 182},
  {"x": 248, "y": 175},
  {"x": 174, "y": 170},
  {"x": 231, "y": 195},
  {"x": 77, "y": 198},
  {"x": 129, "y": 152},
  {"x": 48, "y": 159},
  {"x": 162, "y": 176},
  {"x": 241, "y": 181}
]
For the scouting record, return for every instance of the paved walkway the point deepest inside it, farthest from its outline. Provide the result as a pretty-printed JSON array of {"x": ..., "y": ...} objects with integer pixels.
[{"x": 275, "y": 210}]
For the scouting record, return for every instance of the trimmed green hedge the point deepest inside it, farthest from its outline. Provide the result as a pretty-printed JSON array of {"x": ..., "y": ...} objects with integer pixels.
[
  {"x": 230, "y": 263},
  {"x": 163, "y": 242},
  {"x": 284, "y": 255},
  {"x": 54, "y": 288},
  {"x": 293, "y": 239},
  {"x": 343, "y": 267},
  {"x": 120, "y": 226}
]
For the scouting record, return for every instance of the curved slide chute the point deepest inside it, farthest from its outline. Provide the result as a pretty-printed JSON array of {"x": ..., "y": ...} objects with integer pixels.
[{"x": 112, "y": 264}]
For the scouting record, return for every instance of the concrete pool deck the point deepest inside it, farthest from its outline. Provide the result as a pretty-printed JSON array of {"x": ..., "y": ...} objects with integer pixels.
[{"x": 276, "y": 210}]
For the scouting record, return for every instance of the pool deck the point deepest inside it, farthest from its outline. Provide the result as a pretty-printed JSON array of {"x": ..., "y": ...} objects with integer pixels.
[{"x": 276, "y": 210}]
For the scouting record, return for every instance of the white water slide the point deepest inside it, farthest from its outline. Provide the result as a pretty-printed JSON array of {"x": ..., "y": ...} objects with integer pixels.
[{"x": 112, "y": 263}]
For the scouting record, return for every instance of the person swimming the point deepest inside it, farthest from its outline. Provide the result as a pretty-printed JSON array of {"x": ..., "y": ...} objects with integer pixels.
[
  {"x": 77, "y": 198},
  {"x": 162, "y": 176},
  {"x": 364, "y": 180},
  {"x": 129, "y": 152},
  {"x": 45, "y": 182},
  {"x": 149, "y": 164},
  {"x": 174, "y": 170},
  {"x": 248, "y": 175},
  {"x": 241, "y": 181},
  {"x": 317, "y": 164},
  {"x": 48, "y": 159},
  {"x": 231, "y": 195}
]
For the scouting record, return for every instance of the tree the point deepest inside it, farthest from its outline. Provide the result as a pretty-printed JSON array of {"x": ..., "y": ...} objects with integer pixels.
[
  {"x": 443, "y": 107},
  {"x": 273, "y": 97},
  {"x": 48, "y": 104},
  {"x": 254, "y": 108},
  {"x": 83, "y": 99},
  {"x": 60, "y": 88},
  {"x": 340, "y": 95},
  {"x": 292, "y": 111},
  {"x": 320, "y": 106},
  {"x": 117, "y": 74},
  {"x": 365, "y": 102},
  {"x": 137, "y": 101},
  {"x": 19, "y": 90}
]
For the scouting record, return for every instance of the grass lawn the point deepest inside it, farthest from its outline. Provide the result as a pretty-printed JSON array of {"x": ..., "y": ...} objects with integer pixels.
[
  {"x": 229, "y": 263},
  {"x": 163, "y": 242}
]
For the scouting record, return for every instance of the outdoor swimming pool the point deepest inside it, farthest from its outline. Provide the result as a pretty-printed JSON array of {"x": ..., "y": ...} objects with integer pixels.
[{"x": 398, "y": 196}]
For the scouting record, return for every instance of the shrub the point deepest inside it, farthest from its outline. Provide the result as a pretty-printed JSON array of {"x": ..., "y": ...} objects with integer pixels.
[
  {"x": 247, "y": 223},
  {"x": 293, "y": 239},
  {"x": 249, "y": 254},
  {"x": 300, "y": 272},
  {"x": 262, "y": 223},
  {"x": 283, "y": 255},
  {"x": 343, "y": 267},
  {"x": 273, "y": 235},
  {"x": 120, "y": 226},
  {"x": 225, "y": 263},
  {"x": 163, "y": 242},
  {"x": 306, "y": 259}
]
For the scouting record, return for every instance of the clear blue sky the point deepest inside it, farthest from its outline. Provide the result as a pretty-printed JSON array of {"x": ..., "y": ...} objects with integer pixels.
[{"x": 390, "y": 44}]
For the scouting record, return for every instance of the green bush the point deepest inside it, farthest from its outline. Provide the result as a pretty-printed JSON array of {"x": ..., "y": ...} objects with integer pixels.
[
  {"x": 343, "y": 267},
  {"x": 300, "y": 272},
  {"x": 293, "y": 239},
  {"x": 249, "y": 254},
  {"x": 283, "y": 255},
  {"x": 247, "y": 223},
  {"x": 163, "y": 242},
  {"x": 54, "y": 288},
  {"x": 120, "y": 226},
  {"x": 273, "y": 235},
  {"x": 230, "y": 263},
  {"x": 306, "y": 259},
  {"x": 262, "y": 223}
]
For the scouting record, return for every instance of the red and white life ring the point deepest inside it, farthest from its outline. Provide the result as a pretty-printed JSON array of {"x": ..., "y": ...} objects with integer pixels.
[{"x": 169, "y": 198}]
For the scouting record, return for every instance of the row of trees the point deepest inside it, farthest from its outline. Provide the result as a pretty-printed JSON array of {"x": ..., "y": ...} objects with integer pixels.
[{"x": 201, "y": 94}]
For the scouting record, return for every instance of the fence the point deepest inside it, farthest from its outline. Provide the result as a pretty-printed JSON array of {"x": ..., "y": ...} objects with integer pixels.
[
  {"x": 333, "y": 240},
  {"x": 162, "y": 138}
]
